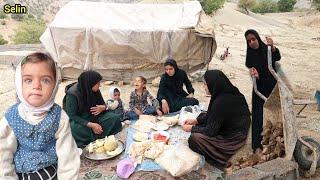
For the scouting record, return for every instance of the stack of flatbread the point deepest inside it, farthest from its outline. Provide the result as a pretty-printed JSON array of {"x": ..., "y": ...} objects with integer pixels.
[
  {"x": 143, "y": 125},
  {"x": 149, "y": 149},
  {"x": 171, "y": 120},
  {"x": 144, "y": 117}
]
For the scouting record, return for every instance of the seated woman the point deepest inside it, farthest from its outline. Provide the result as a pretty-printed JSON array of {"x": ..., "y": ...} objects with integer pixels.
[
  {"x": 222, "y": 131},
  {"x": 87, "y": 110},
  {"x": 171, "y": 95}
]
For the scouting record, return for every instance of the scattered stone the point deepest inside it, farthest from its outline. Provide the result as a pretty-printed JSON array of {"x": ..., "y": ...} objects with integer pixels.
[
  {"x": 108, "y": 82},
  {"x": 156, "y": 82},
  {"x": 120, "y": 83},
  {"x": 273, "y": 147}
]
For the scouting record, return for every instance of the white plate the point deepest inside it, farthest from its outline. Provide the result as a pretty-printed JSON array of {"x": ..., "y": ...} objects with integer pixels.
[
  {"x": 161, "y": 126},
  {"x": 102, "y": 156},
  {"x": 140, "y": 136}
]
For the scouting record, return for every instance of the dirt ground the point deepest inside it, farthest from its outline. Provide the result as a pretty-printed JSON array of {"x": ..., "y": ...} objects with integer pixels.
[{"x": 296, "y": 34}]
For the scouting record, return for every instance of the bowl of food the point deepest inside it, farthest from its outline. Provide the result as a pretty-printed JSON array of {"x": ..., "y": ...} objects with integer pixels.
[{"x": 162, "y": 136}]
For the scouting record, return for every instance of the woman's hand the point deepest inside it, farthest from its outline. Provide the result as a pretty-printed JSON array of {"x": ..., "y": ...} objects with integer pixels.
[
  {"x": 270, "y": 43},
  {"x": 137, "y": 111},
  {"x": 165, "y": 106},
  {"x": 159, "y": 112},
  {"x": 187, "y": 127},
  {"x": 191, "y": 122},
  {"x": 190, "y": 95},
  {"x": 254, "y": 72},
  {"x": 96, "y": 128},
  {"x": 97, "y": 109}
]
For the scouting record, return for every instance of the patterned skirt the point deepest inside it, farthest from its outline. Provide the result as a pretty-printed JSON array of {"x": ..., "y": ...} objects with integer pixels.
[{"x": 48, "y": 173}]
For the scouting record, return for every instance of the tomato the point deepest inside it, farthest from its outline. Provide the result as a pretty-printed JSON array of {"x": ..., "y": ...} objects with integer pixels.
[{"x": 159, "y": 137}]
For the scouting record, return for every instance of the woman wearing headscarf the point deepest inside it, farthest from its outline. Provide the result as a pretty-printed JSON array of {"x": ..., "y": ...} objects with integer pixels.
[
  {"x": 87, "y": 110},
  {"x": 257, "y": 62},
  {"x": 171, "y": 95},
  {"x": 222, "y": 131}
]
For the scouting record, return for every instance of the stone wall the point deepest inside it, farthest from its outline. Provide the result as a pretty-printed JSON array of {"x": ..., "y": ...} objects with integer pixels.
[{"x": 12, "y": 54}]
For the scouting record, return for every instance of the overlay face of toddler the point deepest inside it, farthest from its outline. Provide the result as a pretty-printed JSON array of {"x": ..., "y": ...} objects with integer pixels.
[
  {"x": 39, "y": 84},
  {"x": 36, "y": 126}
]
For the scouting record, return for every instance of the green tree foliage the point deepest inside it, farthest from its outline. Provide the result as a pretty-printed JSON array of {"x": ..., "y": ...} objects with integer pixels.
[
  {"x": 29, "y": 32},
  {"x": 2, "y": 41},
  {"x": 266, "y": 6},
  {"x": 247, "y": 4},
  {"x": 17, "y": 17},
  {"x": 2, "y": 14},
  {"x": 210, "y": 6},
  {"x": 30, "y": 16},
  {"x": 316, "y": 3},
  {"x": 286, "y": 5}
]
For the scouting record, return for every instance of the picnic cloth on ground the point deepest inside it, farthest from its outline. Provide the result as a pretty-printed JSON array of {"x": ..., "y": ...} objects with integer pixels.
[
  {"x": 177, "y": 134},
  {"x": 108, "y": 168}
]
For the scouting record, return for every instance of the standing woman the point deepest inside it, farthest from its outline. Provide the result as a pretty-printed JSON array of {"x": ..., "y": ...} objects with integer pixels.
[
  {"x": 222, "y": 131},
  {"x": 257, "y": 62},
  {"x": 171, "y": 95},
  {"x": 87, "y": 110}
]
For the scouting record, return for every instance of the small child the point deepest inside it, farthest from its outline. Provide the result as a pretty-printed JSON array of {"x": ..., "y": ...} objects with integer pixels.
[
  {"x": 35, "y": 134},
  {"x": 114, "y": 102},
  {"x": 139, "y": 101}
]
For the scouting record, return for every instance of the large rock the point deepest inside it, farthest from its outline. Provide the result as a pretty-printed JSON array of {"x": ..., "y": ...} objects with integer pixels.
[
  {"x": 277, "y": 169},
  {"x": 281, "y": 168},
  {"x": 250, "y": 173}
]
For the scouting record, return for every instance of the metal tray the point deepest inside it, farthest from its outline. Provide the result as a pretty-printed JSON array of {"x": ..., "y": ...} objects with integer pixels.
[{"x": 102, "y": 156}]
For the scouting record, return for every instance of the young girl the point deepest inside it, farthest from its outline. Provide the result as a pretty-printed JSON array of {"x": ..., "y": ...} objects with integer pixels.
[
  {"x": 257, "y": 62},
  {"x": 115, "y": 103},
  {"x": 35, "y": 135},
  {"x": 139, "y": 100}
]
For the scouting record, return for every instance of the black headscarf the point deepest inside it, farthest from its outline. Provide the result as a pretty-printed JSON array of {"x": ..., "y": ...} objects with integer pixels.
[
  {"x": 258, "y": 58},
  {"x": 218, "y": 83},
  {"x": 86, "y": 81},
  {"x": 228, "y": 111},
  {"x": 174, "y": 84},
  {"x": 225, "y": 98},
  {"x": 172, "y": 63}
]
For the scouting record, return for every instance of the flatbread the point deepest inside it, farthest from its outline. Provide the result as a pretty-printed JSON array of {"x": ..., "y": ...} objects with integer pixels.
[
  {"x": 143, "y": 126},
  {"x": 171, "y": 120},
  {"x": 140, "y": 136},
  {"x": 149, "y": 149}
]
